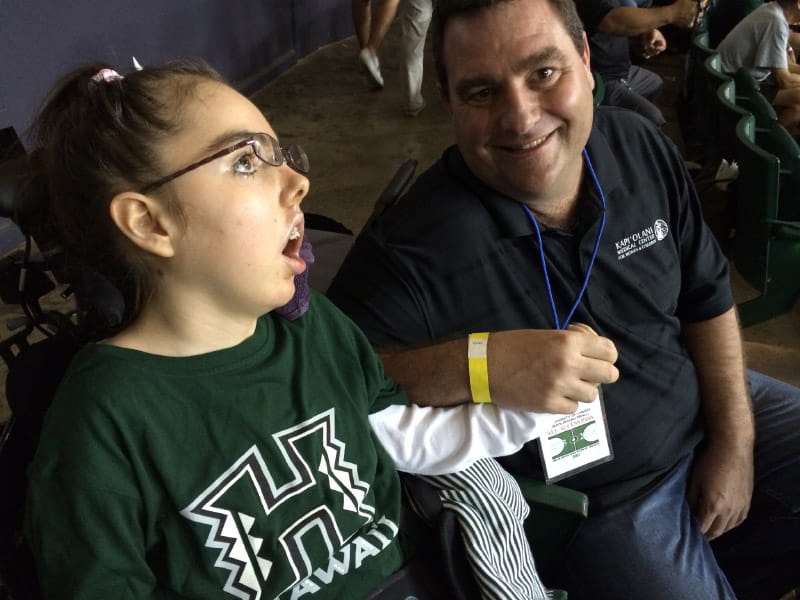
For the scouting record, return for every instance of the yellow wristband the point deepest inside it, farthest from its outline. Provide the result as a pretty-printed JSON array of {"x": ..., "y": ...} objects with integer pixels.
[{"x": 478, "y": 367}]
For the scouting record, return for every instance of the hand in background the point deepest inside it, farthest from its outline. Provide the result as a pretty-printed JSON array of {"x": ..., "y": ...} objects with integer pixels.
[{"x": 653, "y": 43}]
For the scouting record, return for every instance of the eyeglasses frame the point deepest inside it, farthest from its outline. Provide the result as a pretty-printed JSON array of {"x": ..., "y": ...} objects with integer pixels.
[{"x": 286, "y": 154}]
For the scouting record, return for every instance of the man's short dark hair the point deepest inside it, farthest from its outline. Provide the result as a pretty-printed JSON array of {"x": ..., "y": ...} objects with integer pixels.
[{"x": 444, "y": 10}]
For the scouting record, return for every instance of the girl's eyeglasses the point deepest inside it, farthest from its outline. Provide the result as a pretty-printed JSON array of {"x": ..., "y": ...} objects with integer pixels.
[{"x": 264, "y": 146}]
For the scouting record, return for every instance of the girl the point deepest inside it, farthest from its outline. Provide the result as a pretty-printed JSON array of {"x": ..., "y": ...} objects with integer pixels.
[{"x": 210, "y": 447}]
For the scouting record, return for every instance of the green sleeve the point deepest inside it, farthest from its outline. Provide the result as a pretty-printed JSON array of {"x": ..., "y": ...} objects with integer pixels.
[{"x": 382, "y": 391}]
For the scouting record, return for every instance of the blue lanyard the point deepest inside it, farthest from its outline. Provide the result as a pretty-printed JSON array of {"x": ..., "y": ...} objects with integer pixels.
[{"x": 563, "y": 324}]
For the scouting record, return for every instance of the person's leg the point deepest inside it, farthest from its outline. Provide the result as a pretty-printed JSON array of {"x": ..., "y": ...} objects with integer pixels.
[
  {"x": 414, "y": 20},
  {"x": 650, "y": 547},
  {"x": 364, "y": 23},
  {"x": 619, "y": 93},
  {"x": 378, "y": 24},
  {"x": 381, "y": 20},
  {"x": 762, "y": 555},
  {"x": 645, "y": 83},
  {"x": 787, "y": 105},
  {"x": 360, "y": 11}
]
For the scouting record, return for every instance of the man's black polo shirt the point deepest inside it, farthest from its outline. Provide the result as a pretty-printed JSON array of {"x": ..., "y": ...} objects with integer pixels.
[{"x": 454, "y": 257}]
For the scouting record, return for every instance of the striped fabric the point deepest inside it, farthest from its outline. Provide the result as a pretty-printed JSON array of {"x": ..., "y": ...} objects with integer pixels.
[{"x": 491, "y": 509}]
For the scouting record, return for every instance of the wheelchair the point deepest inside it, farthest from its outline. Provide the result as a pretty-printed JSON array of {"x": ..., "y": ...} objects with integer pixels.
[{"x": 439, "y": 570}]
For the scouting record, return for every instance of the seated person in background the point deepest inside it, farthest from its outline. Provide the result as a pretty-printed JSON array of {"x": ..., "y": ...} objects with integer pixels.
[
  {"x": 609, "y": 24},
  {"x": 547, "y": 214},
  {"x": 760, "y": 44},
  {"x": 211, "y": 447},
  {"x": 723, "y": 15}
]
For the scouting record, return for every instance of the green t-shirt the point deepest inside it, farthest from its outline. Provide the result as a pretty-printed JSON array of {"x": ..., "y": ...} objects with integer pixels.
[{"x": 249, "y": 472}]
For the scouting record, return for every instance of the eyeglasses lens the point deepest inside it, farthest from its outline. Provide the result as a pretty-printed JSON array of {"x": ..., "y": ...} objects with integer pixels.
[
  {"x": 269, "y": 150},
  {"x": 297, "y": 158}
]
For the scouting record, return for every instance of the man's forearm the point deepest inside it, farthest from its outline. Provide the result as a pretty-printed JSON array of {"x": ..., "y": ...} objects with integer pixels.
[
  {"x": 541, "y": 370},
  {"x": 631, "y": 21},
  {"x": 716, "y": 349},
  {"x": 434, "y": 375}
]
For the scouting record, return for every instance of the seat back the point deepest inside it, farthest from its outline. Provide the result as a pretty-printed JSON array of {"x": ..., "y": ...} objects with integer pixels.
[
  {"x": 728, "y": 115},
  {"x": 692, "y": 109},
  {"x": 766, "y": 249},
  {"x": 599, "y": 91},
  {"x": 713, "y": 73},
  {"x": 710, "y": 79},
  {"x": 757, "y": 189},
  {"x": 749, "y": 97},
  {"x": 775, "y": 138}
]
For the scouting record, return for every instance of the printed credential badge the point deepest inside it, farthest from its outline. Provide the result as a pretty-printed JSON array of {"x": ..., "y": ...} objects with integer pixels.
[{"x": 576, "y": 442}]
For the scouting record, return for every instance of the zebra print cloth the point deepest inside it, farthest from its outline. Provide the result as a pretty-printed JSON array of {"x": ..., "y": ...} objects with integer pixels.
[{"x": 491, "y": 510}]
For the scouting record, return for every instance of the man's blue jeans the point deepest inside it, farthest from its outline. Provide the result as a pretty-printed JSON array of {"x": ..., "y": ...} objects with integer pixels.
[{"x": 651, "y": 548}]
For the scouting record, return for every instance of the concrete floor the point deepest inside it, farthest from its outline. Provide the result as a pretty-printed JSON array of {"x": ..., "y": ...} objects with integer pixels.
[{"x": 357, "y": 137}]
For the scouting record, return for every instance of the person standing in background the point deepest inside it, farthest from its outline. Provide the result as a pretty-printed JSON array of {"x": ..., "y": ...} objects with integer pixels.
[
  {"x": 414, "y": 20},
  {"x": 370, "y": 31}
]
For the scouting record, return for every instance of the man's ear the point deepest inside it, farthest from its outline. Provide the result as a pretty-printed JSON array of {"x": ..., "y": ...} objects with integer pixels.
[
  {"x": 586, "y": 60},
  {"x": 144, "y": 222}
]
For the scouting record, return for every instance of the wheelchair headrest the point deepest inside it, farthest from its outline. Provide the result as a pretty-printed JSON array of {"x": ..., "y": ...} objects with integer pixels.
[{"x": 23, "y": 196}]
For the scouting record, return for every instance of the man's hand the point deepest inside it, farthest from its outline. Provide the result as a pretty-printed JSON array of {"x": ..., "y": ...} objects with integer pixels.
[
  {"x": 684, "y": 13},
  {"x": 547, "y": 370},
  {"x": 653, "y": 43},
  {"x": 720, "y": 488}
]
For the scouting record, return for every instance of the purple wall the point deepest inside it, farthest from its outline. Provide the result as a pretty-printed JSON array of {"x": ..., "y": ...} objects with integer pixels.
[{"x": 248, "y": 41}]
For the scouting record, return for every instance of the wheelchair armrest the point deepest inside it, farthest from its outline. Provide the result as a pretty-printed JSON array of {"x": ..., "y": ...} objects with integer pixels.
[
  {"x": 556, "y": 514},
  {"x": 554, "y": 497}
]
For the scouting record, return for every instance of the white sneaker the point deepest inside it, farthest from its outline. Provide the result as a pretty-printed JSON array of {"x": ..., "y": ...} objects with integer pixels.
[{"x": 370, "y": 60}]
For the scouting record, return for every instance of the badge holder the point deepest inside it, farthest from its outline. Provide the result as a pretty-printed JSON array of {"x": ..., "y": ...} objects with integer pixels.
[{"x": 576, "y": 442}]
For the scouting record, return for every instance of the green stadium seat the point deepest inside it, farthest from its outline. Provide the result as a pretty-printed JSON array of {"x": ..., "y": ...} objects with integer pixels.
[
  {"x": 556, "y": 515},
  {"x": 766, "y": 249},
  {"x": 599, "y": 92},
  {"x": 708, "y": 110},
  {"x": 776, "y": 139},
  {"x": 749, "y": 97},
  {"x": 729, "y": 113}
]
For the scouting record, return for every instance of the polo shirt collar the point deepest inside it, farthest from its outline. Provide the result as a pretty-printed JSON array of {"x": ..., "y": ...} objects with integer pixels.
[{"x": 508, "y": 214}]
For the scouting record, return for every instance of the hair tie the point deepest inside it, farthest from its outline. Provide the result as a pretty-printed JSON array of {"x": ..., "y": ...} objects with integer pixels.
[{"x": 107, "y": 75}]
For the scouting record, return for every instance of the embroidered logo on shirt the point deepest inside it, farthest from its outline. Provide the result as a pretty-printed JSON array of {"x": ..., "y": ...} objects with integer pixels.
[{"x": 631, "y": 244}]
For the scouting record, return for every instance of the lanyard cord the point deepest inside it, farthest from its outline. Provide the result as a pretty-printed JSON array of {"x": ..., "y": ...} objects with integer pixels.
[{"x": 565, "y": 322}]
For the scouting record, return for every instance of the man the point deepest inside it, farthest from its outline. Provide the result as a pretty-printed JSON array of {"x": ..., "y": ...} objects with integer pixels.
[
  {"x": 626, "y": 84},
  {"x": 760, "y": 44},
  {"x": 516, "y": 233},
  {"x": 723, "y": 15}
]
